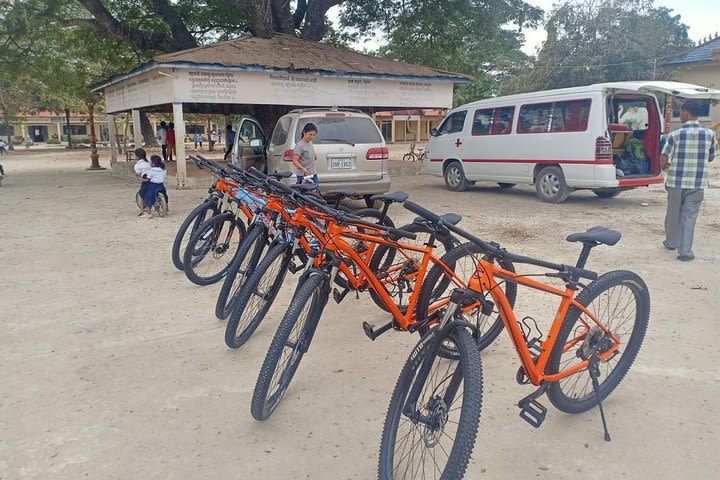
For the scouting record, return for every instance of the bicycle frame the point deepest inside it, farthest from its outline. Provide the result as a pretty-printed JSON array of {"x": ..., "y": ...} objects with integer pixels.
[{"x": 485, "y": 280}]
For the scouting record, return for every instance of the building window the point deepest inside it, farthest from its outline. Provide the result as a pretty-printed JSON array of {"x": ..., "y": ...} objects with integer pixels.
[
  {"x": 75, "y": 129},
  {"x": 678, "y": 102}
]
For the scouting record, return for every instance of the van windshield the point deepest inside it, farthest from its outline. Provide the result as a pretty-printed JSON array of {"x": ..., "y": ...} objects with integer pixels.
[{"x": 350, "y": 130}]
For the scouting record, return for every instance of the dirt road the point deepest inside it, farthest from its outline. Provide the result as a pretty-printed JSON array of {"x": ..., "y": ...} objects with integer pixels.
[{"x": 112, "y": 364}]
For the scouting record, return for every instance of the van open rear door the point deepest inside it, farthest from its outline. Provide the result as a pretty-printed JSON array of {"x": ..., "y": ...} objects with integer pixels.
[{"x": 676, "y": 89}]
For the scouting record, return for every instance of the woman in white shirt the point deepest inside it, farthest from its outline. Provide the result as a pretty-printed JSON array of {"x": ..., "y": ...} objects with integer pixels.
[{"x": 156, "y": 178}]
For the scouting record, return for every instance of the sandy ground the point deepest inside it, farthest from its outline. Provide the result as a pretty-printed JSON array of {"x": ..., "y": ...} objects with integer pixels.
[{"x": 113, "y": 365}]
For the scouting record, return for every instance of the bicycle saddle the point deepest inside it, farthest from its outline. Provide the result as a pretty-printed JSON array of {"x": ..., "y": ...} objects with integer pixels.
[
  {"x": 597, "y": 234},
  {"x": 347, "y": 192},
  {"x": 279, "y": 175},
  {"x": 398, "y": 197},
  {"x": 451, "y": 218},
  {"x": 305, "y": 187}
]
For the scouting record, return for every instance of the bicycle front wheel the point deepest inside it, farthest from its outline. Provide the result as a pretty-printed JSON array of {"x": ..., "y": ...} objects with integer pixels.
[
  {"x": 438, "y": 285},
  {"x": 212, "y": 248},
  {"x": 258, "y": 294},
  {"x": 621, "y": 303},
  {"x": 200, "y": 214},
  {"x": 437, "y": 439},
  {"x": 247, "y": 258},
  {"x": 290, "y": 343}
]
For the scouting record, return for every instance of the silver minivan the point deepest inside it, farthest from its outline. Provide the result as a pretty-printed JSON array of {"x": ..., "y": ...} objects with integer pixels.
[{"x": 351, "y": 151}]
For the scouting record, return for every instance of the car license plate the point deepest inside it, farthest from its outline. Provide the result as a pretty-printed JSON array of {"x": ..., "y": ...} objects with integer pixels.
[{"x": 340, "y": 164}]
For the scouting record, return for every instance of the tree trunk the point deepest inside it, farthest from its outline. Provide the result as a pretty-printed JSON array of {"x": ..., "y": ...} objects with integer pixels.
[
  {"x": 67, "y": 122},
  {"x": 268, "y": 115},
  {"x": 94, "y": 163},
  {"x": 147, "y": 131}
]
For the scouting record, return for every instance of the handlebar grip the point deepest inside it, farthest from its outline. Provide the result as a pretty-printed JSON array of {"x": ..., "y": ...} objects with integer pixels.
[
  {"x": 401, "y": 233},
  {"x": 423, "y": 212}
]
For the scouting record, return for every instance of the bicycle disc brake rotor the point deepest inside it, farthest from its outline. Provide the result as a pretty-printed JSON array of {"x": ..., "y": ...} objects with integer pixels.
[{"x": 438, "y": 413}]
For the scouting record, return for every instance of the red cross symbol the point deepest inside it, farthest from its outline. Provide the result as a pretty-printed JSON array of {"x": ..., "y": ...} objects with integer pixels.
[{"x": 458, "y": 142}]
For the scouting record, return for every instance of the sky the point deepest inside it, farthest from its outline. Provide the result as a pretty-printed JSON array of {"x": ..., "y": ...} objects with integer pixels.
[{"x": 701, "y": 16}]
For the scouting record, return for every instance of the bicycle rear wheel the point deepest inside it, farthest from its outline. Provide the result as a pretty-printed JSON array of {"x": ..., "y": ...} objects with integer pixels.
[
  {"x": 438, "y": 441},
  {"x": 290, "y": 343},
  {"x": 139, "y": 200},
  {"x": 258, "y": 294},
  {"x": 212, "y": 248},
  {"x": 249, "y": 253},
  {"x": 398, "y": 270},
  {"x": 621, "y": 302},
  {"x": 160, "y": 205},
  {"x": 438, "y": 285},
  {"x": 199, "y": 214}
]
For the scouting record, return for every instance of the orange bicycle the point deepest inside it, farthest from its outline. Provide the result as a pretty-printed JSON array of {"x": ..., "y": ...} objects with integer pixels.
[{"x": 433, "y": 416}]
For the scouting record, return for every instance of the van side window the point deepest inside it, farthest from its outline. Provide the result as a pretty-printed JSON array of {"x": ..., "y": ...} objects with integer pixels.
[
  {"x": 570, "y": 116},
  {"x": 279, "y": 136},
  {"x": 534, "y": 118},
  {"x": 454, "y": 123},
  {"x": 482, "y": 122},
  {"x": 503, "y": 120}
]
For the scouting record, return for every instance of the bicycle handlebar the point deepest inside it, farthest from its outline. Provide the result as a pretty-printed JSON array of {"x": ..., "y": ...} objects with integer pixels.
[{"x": 494, "y": 249}]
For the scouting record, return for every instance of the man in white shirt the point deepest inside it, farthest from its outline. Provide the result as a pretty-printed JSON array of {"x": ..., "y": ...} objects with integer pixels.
[
  {"x": 635, "y": 118},
  {"x": 162, "y": 138}
]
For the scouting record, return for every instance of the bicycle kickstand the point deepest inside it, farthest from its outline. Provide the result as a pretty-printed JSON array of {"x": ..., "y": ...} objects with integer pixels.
[{"x": 594, "y": 371}]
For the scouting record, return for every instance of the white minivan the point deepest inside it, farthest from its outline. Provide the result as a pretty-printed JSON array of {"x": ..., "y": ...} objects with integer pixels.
[{"x": 603, "y": 137}]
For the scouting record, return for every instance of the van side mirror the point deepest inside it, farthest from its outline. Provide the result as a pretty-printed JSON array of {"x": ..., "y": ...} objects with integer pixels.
[
  {"x": 256, "y": 143},
  {"x": 434, "y": 132}
]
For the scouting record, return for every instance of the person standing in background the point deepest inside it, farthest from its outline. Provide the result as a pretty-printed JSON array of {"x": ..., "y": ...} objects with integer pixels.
[
  {"x": 162, "y": 139},
  {"x": 685, "y": 156},
  {"x": 230, "y": 139},
  {"x": 171, "y": 149}
]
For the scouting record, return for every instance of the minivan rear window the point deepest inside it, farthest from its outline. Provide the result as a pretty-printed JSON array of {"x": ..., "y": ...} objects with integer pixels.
[{"x": 336, "y": 129}]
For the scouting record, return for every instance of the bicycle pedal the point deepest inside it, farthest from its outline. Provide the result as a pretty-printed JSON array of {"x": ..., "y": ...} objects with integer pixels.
[
  {"x": 532, "y": 411},
  {"x": 294, "y": 268},
  {"x": 370, "y": 331},
  {"x": 339, "y": 296}
]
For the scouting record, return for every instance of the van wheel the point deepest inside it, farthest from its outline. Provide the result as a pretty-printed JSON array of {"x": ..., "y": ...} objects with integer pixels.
[
  {"x": 607, "y": 192},
  {"x": 455, "y": 177},
  {"x": 506, "y": 185},
  {"x": 550, "y": 185}
]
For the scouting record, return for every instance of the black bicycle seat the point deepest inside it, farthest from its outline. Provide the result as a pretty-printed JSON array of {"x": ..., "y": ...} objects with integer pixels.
[
  {"x": 305, "y": 187},
  {"x": 346, "y": 192},
  {"x": 279, "y": 175},
  {"x": 451, "y": 218},
  {"x": 398, "y": 197},
  {"x": 597, "y": 234}
]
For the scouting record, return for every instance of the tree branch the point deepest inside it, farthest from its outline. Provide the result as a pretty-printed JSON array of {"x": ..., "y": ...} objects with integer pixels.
[
  {"x": 314, "y": 28},
  {"x": 182, "y": 39}
]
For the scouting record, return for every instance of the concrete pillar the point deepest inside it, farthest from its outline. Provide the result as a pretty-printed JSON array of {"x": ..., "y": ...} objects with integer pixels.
[
  {"x": 137, "y": 128},
  {"x": 58, "y": 132},
  {"x": 392, "y": 129},
  {"x": 179, "y": 121},
  {"x": 113, "y": 138}
]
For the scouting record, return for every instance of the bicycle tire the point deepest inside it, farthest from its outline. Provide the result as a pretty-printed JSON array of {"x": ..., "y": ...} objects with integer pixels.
[
  {"x": 195, "y": 218},
  {"x": 160, "y": 205},
  {"x": 597, "y": 297},
  {"x": 384, "y": 256},
  {"x": 257, "y": 294},
  {"x": 409, "y": 157},
  {"x": 214, "y": 235},
  {"x": 248, "y": 256},
  {"x": 436, "y": 285},
  {"x": 466, "y": 417},
  {"x": 139, "y": 200},
  {"x": 305, "y": 308}
]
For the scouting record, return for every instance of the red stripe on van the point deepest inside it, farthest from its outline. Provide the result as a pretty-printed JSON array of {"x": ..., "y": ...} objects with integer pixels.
[
  {"x": 508, "y": 160},
  {"x": 639, "y": 182}
]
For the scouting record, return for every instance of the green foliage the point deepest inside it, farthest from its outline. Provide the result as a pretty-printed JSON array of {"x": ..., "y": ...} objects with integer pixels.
[
  {"x": 461, "y": 36},
  {"x": 602, "y": 41}
]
